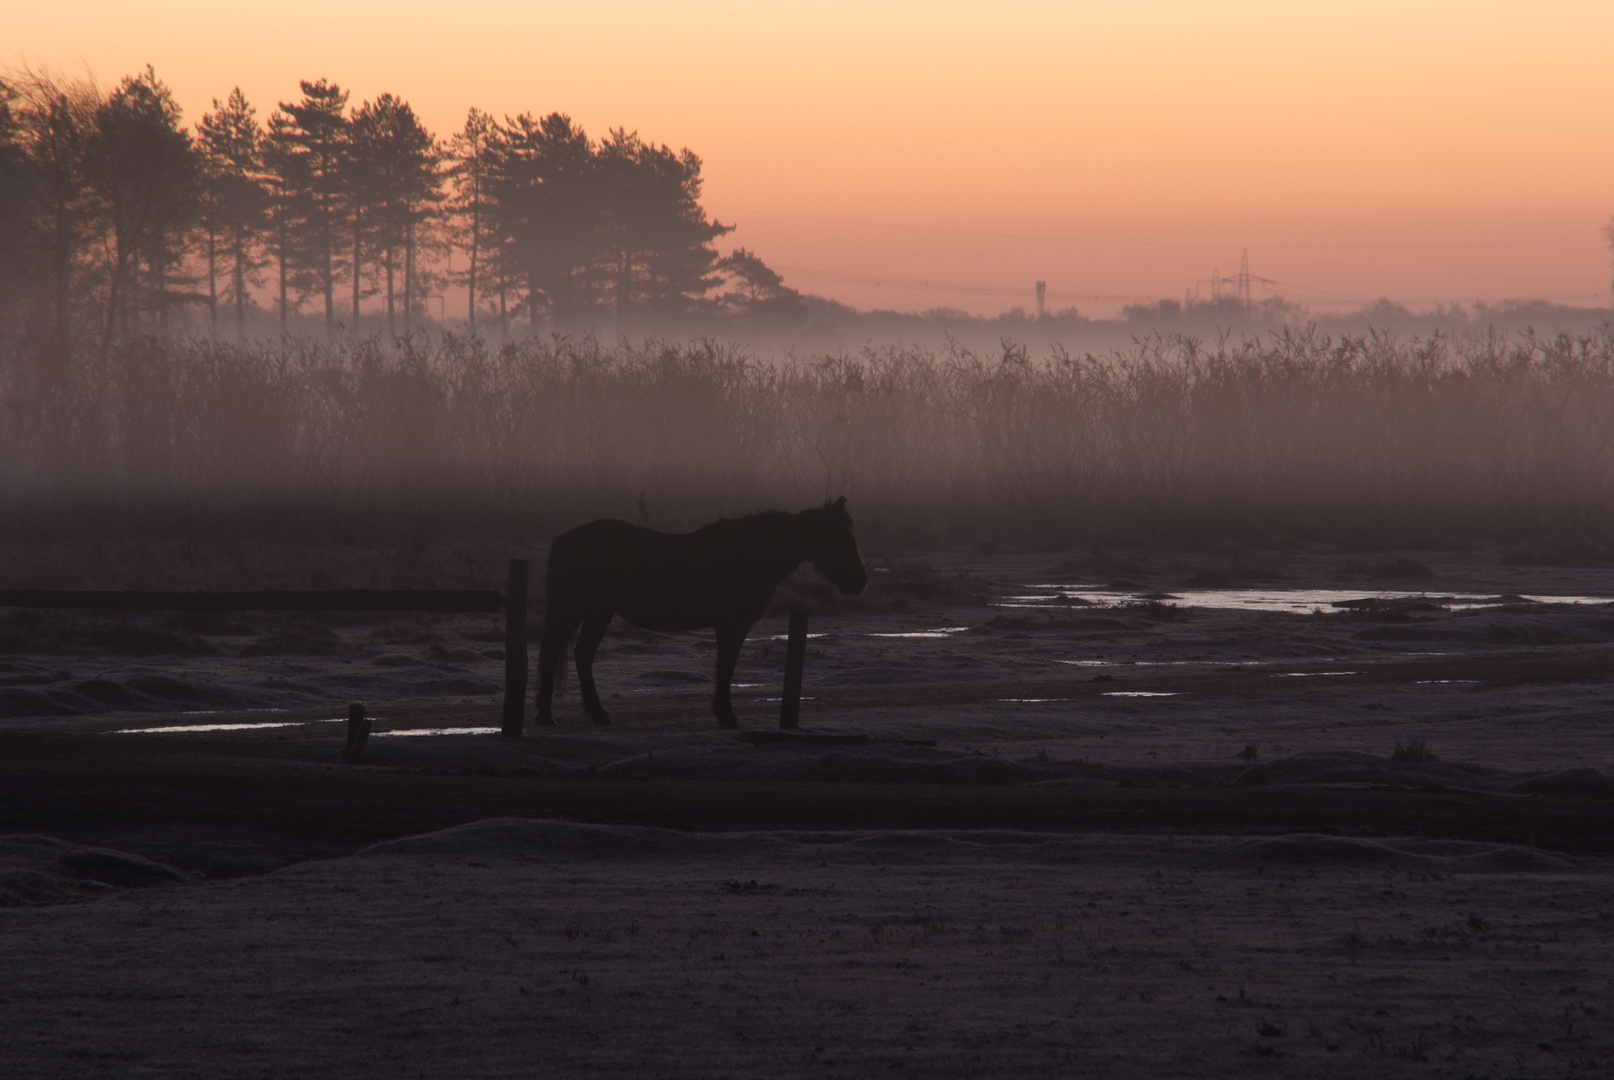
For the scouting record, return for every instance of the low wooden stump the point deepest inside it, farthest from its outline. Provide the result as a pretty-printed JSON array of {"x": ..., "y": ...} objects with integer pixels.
[
  {"x": 358, "y": 733},
  {"x": 795, "y": 661}
]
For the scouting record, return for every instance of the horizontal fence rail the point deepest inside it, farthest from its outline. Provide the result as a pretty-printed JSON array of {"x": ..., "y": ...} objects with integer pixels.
[
  {"x": 264, "y": 600},
  {"x": 512, "y": 603}
]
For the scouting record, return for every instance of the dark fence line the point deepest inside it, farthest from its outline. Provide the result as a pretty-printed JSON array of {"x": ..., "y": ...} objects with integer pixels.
[
  {"x": 512, "y": 602},
  {"x": 489, "y": 600}
]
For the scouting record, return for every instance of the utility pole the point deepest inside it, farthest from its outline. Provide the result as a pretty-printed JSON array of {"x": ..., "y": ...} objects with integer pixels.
[
  {"x": 1042, "y": 298},
  {"x": 1243, "y": 282}
]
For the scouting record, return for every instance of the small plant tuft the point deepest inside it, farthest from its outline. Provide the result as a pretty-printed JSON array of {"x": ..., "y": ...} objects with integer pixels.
[{"x": 1414, "y": 749}]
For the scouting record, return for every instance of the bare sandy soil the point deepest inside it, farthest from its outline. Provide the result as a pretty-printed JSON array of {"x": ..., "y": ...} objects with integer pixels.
[
  {"x": 1128, "y": 814},
  {"x": 523, "y": 948}
]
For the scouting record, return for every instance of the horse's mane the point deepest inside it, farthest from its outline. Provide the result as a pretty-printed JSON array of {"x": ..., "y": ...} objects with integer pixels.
[
  {"x": 836, "y": 511},
  {"x": 746, "y": 522}
]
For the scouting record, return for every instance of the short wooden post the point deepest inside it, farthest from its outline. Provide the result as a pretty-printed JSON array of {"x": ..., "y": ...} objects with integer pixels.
[
  {"x": 358, "y": 733},
  {"x": 515, "y": 649},
  {"x": 795, "y": 660}
]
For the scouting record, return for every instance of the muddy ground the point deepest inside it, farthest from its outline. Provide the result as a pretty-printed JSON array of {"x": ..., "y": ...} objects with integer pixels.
[{"x": 1300, "y": 811}]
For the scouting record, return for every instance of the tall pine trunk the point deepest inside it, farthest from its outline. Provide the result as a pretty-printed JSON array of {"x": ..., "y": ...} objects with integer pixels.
[
  {"x": 409, "y": 273},
  {"x": 330, "y": 288},
  {"x": 623, "y": 282},
  {"x": 212, "y": 282},
  {"x": 357, "y": 220},
  {"x": 504, "y": 309},
  {"x": 476, "y": 237},
  {"x": 392, "y": 299},
  {"x": 282, "y": 260},
  {"x": 62, "y": 267},
  {"x": 240, "y": 286}
]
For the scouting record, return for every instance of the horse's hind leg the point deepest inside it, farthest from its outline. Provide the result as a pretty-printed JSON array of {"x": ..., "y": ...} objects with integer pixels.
[
  {"x": 588, "y": 642},
  {"x": 729, "y": 640},
  {"x": 551, "y": 658}
]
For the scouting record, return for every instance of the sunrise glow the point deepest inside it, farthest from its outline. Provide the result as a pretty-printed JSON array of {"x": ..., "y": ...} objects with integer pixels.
[{"x": 1427, "y": 151}]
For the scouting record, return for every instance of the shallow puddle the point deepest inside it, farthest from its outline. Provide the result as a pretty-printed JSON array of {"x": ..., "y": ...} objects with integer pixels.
[
  {"x": 1310, "y": 674},
  {"x": 1290, "y": 601},
  {"x": 1171, "y": 663},
  {"x": 169, "y": 730},
  {"x": 407, "y": 732},
  {"x": 940, "y": 632}
]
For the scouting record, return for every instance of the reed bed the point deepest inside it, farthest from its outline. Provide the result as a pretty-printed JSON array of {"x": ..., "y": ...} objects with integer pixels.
[{"x": 1298, "y": 434}]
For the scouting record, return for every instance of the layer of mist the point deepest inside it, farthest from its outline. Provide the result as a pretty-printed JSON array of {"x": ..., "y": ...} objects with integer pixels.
[{"x": 1299, "y": 434}]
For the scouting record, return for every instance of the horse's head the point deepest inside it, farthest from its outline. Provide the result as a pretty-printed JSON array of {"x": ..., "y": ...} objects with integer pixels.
[{"x": 824, "y": 538}]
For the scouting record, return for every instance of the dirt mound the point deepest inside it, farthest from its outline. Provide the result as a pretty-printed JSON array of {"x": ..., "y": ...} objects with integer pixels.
[
  {"x": 44, "y": 870},
  {"x": 139, "y": 691},
  {"x": 1569, "y": 784},
  {"x": 1449, "y": 855},
  {"x": 518, "y": 838},
  {"x": 1346, "y": 767}
]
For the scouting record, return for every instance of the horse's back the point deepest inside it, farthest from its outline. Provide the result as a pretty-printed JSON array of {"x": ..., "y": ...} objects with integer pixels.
[
  {"x": 663, "y": 581},
  {"x": 649, "y": 577},
  {"x": 608, "y": 550}
]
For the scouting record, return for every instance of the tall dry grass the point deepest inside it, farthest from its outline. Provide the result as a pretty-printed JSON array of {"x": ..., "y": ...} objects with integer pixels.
[{"x": 1298, "y": 434}]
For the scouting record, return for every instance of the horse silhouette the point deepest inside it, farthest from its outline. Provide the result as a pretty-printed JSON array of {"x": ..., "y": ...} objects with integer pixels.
[{"x": 722, "y": 575}]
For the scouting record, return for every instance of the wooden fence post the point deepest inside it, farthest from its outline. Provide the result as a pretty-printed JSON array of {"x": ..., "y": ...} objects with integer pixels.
[
  {"x": 795, "y": 660},
  {"x": 515, "y": 649},
  {"x": 358, "y": 733}
]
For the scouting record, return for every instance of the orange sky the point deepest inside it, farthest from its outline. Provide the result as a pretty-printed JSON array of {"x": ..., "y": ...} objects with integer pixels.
[{"x": 1424, "y": 150}]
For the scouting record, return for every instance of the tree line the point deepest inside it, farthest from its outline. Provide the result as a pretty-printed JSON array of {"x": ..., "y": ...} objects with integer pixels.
[{"x": 118, "y": 219}]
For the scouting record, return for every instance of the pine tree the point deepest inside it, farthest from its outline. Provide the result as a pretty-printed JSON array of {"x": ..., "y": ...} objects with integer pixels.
[
  {"x": 656, "y": 239},
  {"x": 16, "y": 217},
  {"x": 757, "y": 293},
  {"x": 232, "y": 141},
  {"x": 52, "y": 208},
  {"x": 545, "y": 211},
  {"x": 308, "y": 154},
  {"x": 147, "y": 172},
  {"x": 396, "y": 166},
  {"x": 470, "y": 152}
]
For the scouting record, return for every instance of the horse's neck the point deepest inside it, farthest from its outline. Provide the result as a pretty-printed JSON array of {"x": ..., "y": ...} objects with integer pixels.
[{"x": 776, "y": 545}]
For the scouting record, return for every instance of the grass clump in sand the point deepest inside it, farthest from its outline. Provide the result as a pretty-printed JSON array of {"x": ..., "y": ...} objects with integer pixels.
[{"x": 1414, "y": 749}]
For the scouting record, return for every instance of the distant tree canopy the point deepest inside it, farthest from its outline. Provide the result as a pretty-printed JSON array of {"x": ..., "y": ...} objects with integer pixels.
[{"x": 115, "y": 217}]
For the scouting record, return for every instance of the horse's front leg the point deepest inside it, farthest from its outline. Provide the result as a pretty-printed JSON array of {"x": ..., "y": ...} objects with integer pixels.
[{"x": 729, "y": 640}]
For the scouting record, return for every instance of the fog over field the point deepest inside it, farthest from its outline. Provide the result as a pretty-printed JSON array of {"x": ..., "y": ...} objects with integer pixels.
[{"x": 1298, "y": 435}]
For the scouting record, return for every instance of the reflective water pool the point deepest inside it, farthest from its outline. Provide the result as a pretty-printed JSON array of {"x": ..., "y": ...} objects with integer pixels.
[
  {"x": 170, "y": 729},
  {"x": 1293, "y": 601}
]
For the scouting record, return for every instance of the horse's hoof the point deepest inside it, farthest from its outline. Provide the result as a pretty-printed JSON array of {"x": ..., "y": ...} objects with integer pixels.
[
  {"x": 728, "y": 723},
  {"x": 602, "y": 719},
  {"x": 544, "y": 721}
]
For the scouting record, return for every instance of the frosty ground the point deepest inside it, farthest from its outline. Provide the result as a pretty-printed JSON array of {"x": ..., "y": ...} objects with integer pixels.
[{"x": 1135, "y": 814}]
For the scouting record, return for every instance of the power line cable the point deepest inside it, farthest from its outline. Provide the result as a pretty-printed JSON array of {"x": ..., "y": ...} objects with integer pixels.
[
  {"x": 926, "y": 284},
  {"x": 888, "y": 281},
  {"x": 1097, "y": 242}
]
